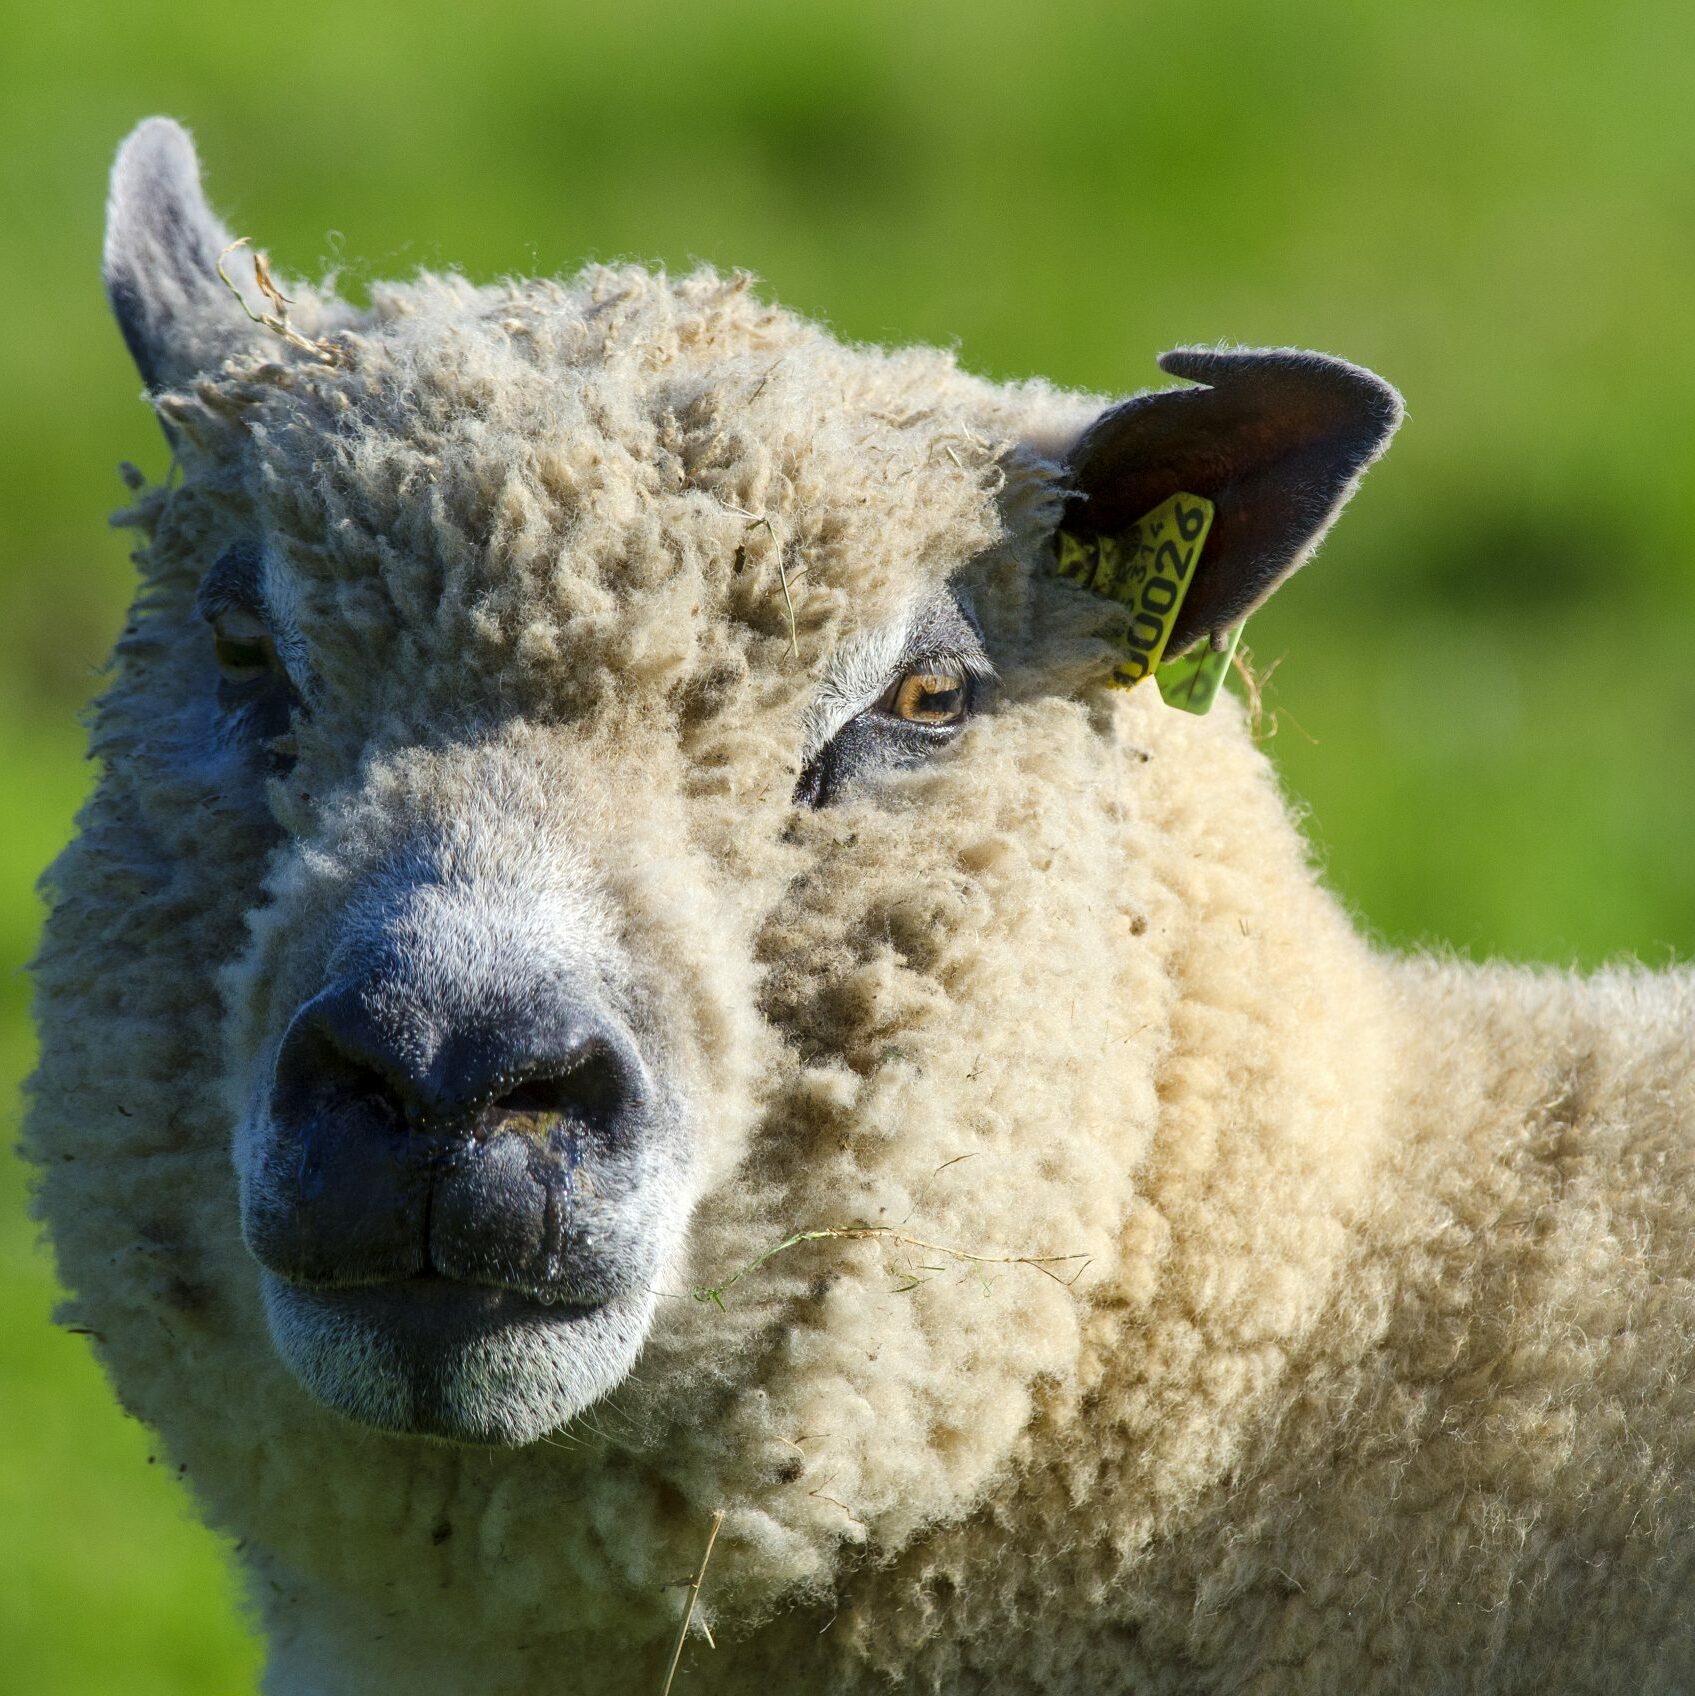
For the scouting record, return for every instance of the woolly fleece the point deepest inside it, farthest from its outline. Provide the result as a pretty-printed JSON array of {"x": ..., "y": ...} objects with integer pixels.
[{"x": 1379, "y": 1374}]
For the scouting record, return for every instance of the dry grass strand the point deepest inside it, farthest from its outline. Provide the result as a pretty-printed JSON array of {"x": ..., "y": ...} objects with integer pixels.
[
  {"x": 1043, "y": 1263},
  {"x": 689, "y": 1606},
  {"x": 276, "y": 320}
]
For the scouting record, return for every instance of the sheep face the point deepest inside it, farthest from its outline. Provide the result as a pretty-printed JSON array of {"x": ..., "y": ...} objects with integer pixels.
[
  {"x": 492, "y": 1036},
  {"x": 601, "y": 809}
]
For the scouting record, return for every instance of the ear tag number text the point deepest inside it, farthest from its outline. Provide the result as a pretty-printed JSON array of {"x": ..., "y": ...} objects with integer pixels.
[{"x": 1148, "y": 569}]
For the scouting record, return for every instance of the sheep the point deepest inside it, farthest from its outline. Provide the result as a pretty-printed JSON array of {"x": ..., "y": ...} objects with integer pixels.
[{"x": 651, "y": 1078}]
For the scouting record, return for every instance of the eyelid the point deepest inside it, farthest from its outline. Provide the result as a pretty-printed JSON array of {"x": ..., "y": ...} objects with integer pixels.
[
  {"x": 218, "y": 600},
  {"x": 239, "y": 624},
  {"x": 974, "y": 668},
  {"x": 233, "y": 582}
]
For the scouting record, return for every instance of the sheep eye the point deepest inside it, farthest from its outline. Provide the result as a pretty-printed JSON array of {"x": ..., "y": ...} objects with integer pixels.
[
  {"x": 244, "y": 648},
  {"x": 927, "y": 697},
  {"x": 923, "y": 701}
]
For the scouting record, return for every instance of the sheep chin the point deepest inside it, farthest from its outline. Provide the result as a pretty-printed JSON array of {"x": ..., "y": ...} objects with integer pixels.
[{"x": 503, "y": 1377}]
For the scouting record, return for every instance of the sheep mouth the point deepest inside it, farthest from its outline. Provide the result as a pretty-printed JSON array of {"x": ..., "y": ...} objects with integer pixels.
[
  {"x": 481, "y": 1291},
  {"x": 437, "y": 1306},
  {"x": 442, "y": 1357}
]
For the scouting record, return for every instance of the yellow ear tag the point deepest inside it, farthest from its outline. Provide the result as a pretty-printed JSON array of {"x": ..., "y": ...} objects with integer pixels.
[{"x": 1148, "y": 568}]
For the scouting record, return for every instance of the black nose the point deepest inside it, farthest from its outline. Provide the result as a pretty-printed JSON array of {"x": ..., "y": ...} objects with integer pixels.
[
  {"x": 415, "y": 1132},
  {"x": 548, "y": 1057}
]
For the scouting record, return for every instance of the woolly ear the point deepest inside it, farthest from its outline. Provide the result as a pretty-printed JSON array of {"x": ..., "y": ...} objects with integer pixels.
[
  {"x": 1277, "y": 440},
  {"x": 161, "y": 264}
]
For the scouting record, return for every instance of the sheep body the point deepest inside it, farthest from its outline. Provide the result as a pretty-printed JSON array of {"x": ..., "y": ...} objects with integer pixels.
[{"x": 1378, "y": 1374}]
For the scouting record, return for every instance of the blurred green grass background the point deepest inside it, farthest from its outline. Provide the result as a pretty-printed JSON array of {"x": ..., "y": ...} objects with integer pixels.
[{"x": 1485, "y": 697}]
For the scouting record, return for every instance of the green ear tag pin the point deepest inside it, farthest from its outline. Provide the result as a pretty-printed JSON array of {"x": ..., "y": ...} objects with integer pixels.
[{"x": 1148, "y": 568}]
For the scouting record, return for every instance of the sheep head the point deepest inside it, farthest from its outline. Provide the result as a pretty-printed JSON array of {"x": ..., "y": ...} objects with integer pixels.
[{"x": 602, "y": 782}]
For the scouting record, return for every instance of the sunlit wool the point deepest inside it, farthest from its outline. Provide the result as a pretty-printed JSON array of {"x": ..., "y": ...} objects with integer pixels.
[{"x": 1378, "y": 1375}]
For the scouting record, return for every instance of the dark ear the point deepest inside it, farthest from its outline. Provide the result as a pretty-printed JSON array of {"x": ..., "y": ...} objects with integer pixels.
[
  {"x": 1276, "y": 440},
  {"x": 162, "y": 247}
]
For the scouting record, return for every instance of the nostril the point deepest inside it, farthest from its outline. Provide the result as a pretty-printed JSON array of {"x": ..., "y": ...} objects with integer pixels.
[
  {"x": 591, "y": 1086},
  {"x": 321, "y": 1067},
  {"x": 363, "y": 1053}
]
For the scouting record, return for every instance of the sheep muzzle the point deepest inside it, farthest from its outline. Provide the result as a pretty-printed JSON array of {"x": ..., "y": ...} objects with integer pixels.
[{"x": 463, "y": 1189}]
